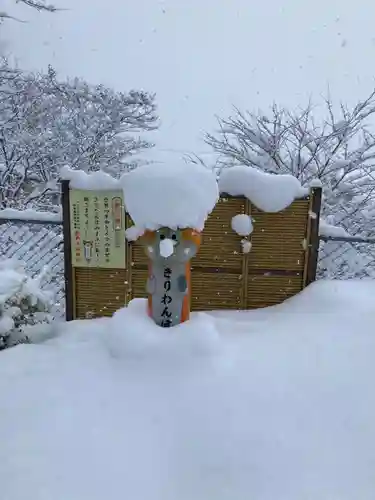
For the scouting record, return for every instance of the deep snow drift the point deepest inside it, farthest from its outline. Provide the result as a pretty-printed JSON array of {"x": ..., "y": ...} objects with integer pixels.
[{"x": 273, "y": 404}]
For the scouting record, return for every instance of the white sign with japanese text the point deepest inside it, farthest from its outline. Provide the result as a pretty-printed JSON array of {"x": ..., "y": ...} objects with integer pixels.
[{"x": 97, "y": 222}]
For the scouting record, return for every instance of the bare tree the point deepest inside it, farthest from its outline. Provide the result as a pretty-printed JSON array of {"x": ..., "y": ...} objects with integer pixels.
[
  {"x": 39, "y": 5},
  {"x": 46, "y": 124},
  {"x": 340, "y": 151}
]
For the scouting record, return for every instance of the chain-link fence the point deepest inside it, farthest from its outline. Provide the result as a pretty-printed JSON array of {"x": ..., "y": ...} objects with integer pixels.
[
  {"x": 346, "y": 257},
  {"x": 39, "y": 246}
]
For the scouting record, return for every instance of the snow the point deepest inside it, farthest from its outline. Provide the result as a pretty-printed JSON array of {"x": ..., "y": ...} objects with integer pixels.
[
  {"x": 22, "y": 304},
  {"x": 246, "y": 246},
  {"x": 326, "y": 229},
  {"x": 133, "y": 233},
  {"x": 268, "y": 404},
  {"x": 14, "y": 280},
  {"x": 15, "y": 283},
  {"x": 37, "y": 246},
  {"x": 96, "y": 181},
  {"x": 312, "y": 214},
  {"x": 175, "y": 195},
  {"x": 6, "y": 324},
  {"x": 242, "y": 224},
  {"x": 316, "y": 183},
  {"x": 11, "y": 280},
  {"x": 30, "y": 215},
  {"x": 268, "y": 192}
]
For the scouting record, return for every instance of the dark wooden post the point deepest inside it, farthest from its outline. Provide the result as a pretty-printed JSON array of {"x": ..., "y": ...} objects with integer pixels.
[
  {"x": 68, "y": 268},
  {"x": 313, "y": 240}
]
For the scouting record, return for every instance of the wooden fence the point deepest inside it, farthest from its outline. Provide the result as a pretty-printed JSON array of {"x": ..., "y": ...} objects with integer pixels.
[{"x": 282, "y": 261}]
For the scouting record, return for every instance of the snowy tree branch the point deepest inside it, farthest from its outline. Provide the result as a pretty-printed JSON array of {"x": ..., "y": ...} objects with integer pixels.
[
  {"x": 340, "y": 151},
  {"x": 46, "y": 124}
]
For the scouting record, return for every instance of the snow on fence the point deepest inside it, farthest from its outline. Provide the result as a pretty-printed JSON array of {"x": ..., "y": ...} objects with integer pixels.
[
  {"x": 280, "y": 263},
  {"x": 224, "y": 277},
  {"x": 221, "y": 269},
  {"x": 37, "y": 243}
]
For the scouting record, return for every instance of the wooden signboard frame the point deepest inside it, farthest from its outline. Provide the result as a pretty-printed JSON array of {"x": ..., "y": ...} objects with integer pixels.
[{"x": 94, "y": 248}]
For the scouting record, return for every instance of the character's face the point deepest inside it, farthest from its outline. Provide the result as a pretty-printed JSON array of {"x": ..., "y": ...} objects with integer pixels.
[
  {"x": 165, "y": 233},
  {"x": 166, "y": 243}
]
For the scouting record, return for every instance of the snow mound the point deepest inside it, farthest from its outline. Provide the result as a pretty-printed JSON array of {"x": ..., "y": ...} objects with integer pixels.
[
  {"x": 176, "y": 195},
  {"x": 210, "y": 409},
  {"x": 268, "y": 192},
  {"x": 13, "y": 280},
  {"x": 95, "y": 181},
  {"x": 23, "y": 303},
  {"x": 242, "y": 224},
  {"x": 330, "y": 297},
  {"x": 132, "y": 334}
]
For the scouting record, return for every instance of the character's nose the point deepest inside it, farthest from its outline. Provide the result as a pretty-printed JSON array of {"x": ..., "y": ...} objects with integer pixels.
[{"x": 166, "y": 247}]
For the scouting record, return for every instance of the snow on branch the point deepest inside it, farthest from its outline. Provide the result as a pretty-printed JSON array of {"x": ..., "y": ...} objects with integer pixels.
[
  {"x": 40, "y": 5},
  {"x": 338, "y": 152},
  {"x": 292, "y": 142},
  {"x": 46, "y": 123}
]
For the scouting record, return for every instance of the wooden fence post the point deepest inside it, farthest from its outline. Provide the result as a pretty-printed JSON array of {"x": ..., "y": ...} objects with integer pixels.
[
  {"x": 68, "y": 268},
  {"x": 313, "y": 242}
]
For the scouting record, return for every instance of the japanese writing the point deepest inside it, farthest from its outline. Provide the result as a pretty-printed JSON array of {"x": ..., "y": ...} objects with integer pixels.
[
  {"x": 86, "y": 214},
  {"x": 76, "y": 216},
  {"x": 96, "y": 229},
  {"x": 166, "y": 299},
  {"x": 87, "y": 242},
  {"x": 107, "y": 239},
  {"x": 77, "y": 231}
]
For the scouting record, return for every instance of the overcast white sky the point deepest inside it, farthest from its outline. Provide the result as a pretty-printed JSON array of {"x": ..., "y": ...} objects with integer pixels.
[{"x": 202, "y": 56}]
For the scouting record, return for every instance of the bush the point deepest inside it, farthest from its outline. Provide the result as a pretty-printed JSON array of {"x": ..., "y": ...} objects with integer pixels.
[{"x": 23, "y": 303}]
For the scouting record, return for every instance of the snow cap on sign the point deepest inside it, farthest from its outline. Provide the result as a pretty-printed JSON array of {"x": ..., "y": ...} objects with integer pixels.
[
  {"x": 96, "y": 181},
  {"x": 175, "y": 195},
  {"x": 268, "y": 192}
]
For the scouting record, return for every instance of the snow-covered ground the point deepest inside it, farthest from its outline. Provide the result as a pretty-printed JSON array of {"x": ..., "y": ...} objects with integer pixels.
[{"x": 271, "y": 404}]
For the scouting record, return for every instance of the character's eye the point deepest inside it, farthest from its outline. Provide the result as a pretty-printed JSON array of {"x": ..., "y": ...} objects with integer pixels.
[
  {"x": 174, "y": 237},
  {"x": 162, "y": 237}
]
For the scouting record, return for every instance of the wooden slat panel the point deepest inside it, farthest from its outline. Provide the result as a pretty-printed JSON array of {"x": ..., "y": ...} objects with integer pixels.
[
  {"x": 138, "y": 254},
  {"x": 216, "y": 291},
  {"x": 139, "y": 278},
  {"x": 221, "y": 246},
  {"x": 278, "y": 238},
  {"x": 99, "y": 292},
  {"x": 265, "y": 291},
  {"x": 217, "y": 282}
]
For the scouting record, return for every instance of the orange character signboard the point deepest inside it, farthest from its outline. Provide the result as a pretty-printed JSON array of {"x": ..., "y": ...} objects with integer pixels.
[{"x": 169, "y": 278}]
